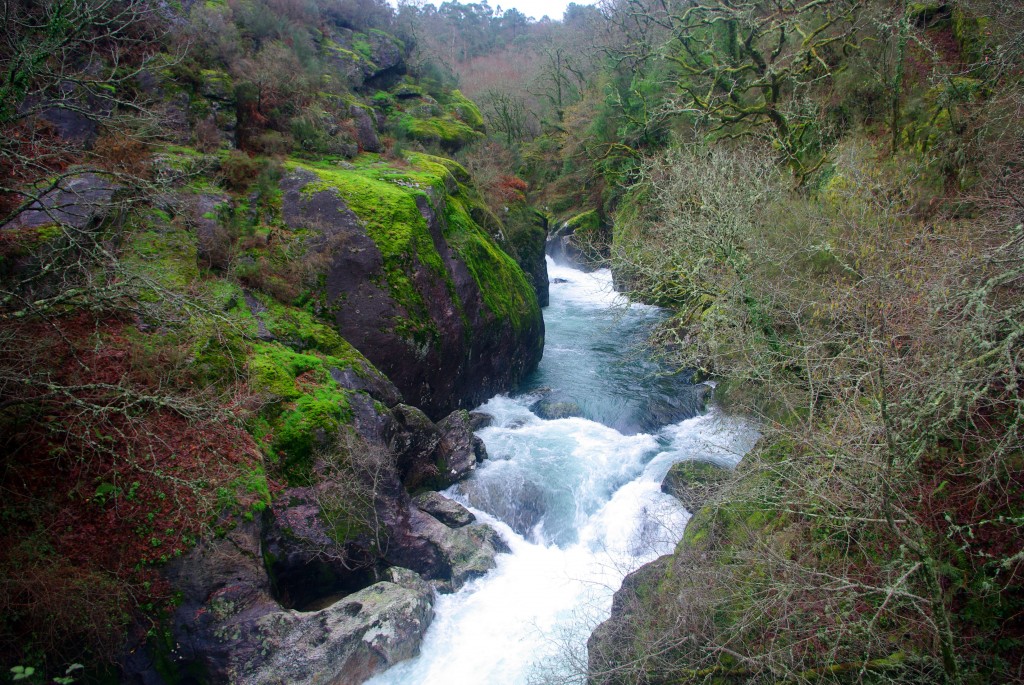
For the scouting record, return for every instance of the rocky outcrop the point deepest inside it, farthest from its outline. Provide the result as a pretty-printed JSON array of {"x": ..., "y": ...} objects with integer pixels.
[
  {"x": 366, "y": 129},
  {"x": 693, "y": 482},
  {"x": 77, "y": 200},
  {"x": 229, "y": 628},
  {"x": 448, "y": 512},
  {"x": 430, "y": 455},
  {"x": 414, "y": 283},
  {"x": 469, "y": 550},
  {"x": 459, "y": 451},
  {"x": 519, "y": 503},
  {"x": 582, "y": 241},
  {"x": 213, "y": 241},
  {"x": 611, "y": 643},
  {"x": 549, "y": 410},
  {"x": 345, "y": 643},
  {"x": 365, "y": 59},
  {"x": 526, "y": 235}
]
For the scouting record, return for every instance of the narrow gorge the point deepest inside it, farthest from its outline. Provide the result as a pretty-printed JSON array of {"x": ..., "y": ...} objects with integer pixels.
[{"x": 378, "y": 341}]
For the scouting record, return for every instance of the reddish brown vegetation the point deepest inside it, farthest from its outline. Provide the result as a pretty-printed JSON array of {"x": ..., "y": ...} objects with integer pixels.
[{"x": 102, "y": 484}]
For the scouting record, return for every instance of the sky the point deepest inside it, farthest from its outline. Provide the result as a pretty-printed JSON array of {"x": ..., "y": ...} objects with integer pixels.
[
  {"x": 531, "y": 8},
  {"x": 538, "y": 8}
]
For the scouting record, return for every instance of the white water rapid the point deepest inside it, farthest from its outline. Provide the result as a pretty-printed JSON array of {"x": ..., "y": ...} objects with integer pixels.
[{"x": 577, "y": 499}]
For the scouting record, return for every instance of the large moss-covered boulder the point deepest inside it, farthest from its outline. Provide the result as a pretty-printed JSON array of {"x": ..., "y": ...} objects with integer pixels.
[
  {"x": 452, "y": 121},
  {"x": 412, "y": 281}
]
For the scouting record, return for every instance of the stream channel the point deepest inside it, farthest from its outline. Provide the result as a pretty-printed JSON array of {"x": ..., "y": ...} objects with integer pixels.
[{"x": 577, "y": 499}]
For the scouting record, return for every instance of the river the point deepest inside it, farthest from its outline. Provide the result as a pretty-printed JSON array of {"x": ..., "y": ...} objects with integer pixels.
[{"x": 577, "y": 499}]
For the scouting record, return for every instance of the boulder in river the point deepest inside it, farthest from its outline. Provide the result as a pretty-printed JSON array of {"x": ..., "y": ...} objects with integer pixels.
[
  {"x": 518, "y": 502},
  {"x": 479, "y": 420},
  {"x": 447, "y": 511},
  {"x": 469, "y": 550},
  {"x": 550, "y": 410}
]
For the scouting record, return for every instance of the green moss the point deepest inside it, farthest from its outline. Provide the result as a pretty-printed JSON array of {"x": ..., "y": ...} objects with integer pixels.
[
  {"x": 748, "y": 511},
  {"x": 924, "y": 12},
  {"x": 971, "y": 32},
  {"x": 163, "y": 254},
  {"x": 465, "y": 110},
  {"x": 398, "y": 43},
  {"x": 407, "y": 89},
  {"x": 503, "y": 285},
  {"x": 359, "y": 59},
  {"x": 308, "y": 407},
  {"x": 361, "y": 44},
  {"x": 445, "y": 131},
  {"x": 385, "y": 201},
  {"x": 252, "y": 488}
]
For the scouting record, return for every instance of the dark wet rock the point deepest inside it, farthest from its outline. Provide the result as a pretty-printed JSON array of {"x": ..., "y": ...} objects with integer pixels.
[
  {"x": 345, "y": 643},
  {"x": 561, "y": 248},
  {"x": 384, "y": 63},
  {"x": 429, "y": 455},
  {"x": 71, "y": 125},
  {"x": 479, "y": 420},
  {"x": 527, "y": 231},
  {"x": 74, "y": 116},
  {"x": 80, "y": 201},
  {"x": 459, "y": 451},
  {"x": 447, "y": 511},
  {"x": 469, "y": 550},
  {"x": 386, "y": 52},
  {"x": 673, "y": 405},
  {"x": 228, "y": 626},
  {"x": 211, "y": 237},
  {"x": 549, "y": 410},
  {"x": 560, "y": 280},
  {"x": 302, "y": 556},
  {"x": 414, "y": 440},
  {"x": 366, "y": 131},
  {"x": 369, "y": 380},
  {"x": 256, "y": 308},
  {"x": 372, "y": 424},
  {"x": 221, "y": 584},
  {"x": 693, "y": 482}
]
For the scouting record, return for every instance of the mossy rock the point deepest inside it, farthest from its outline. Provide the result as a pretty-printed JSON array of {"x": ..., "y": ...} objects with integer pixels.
[
  {"x": 693, "y": 482},
  {"x": 305, "y": 406},
  {"x": 412, "y": 279},
  {"x": 557, "y": 410},
  {"x": 929, "y": 14},
  {"x": 971, "y": 32},
  {"x": 449, "y": 133},
  {"x": 465, "y": 110}
]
